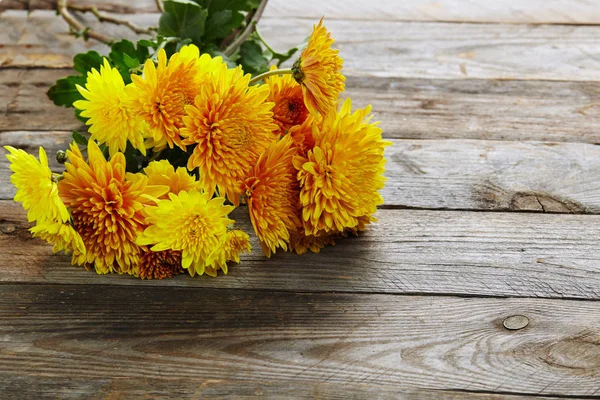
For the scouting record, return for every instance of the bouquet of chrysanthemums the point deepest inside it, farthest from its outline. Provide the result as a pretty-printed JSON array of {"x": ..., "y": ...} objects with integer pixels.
[{"x": 177, "y": 141}]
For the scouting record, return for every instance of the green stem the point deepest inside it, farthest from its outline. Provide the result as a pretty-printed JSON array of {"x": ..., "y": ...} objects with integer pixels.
[
  {"x": 264, "y": 75},
  {"x": 263, "y": 41},
  {"x": 162, "y": 45}
]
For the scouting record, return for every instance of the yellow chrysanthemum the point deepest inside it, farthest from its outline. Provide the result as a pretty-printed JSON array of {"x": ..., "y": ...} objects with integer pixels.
[
  {"x": 289, "y": 109},
  {"x": 318, "y": 72},
  {"x": 61, "y": 235},
  {"x": 106, "y": 208},
  {"x": 231, "y": 124},
  {"x": 190, "y": 222},
  {"x": 340, "y": 177},
  {"x": 111, "y": 120},
  {"x": 160, "y": 94},
  {"x": 163, "y": 173},
  {"x": 302, "y": 135},
  {"x": 36, "y": 188},
  {"x": 272, "y": 192},
  {"x": 159, "y": 264},
  {"x": 234, "y": 243}
]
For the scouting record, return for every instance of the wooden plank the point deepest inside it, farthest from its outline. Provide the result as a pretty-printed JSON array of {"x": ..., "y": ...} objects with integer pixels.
[
  {"x": 407, "y": 108},
  {"x": 407, "y": 251},
  {"x": 441, "y": 174},
  {"x": 401, "y": 49},
  {"x": 158, "y": 387},
  {"x": 97, "y": 332},
  {"x": 501, "y": 11}
]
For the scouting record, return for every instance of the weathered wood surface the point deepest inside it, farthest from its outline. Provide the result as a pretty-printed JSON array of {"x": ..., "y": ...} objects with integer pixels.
[
  {"x": 196, "y": 388},
  {"x": 501, "y": 11},
  {"x": 406, "y": 252},
  {"x": 93, "y": 332},
  {"x": 401, "y": 49},
  {"x": 407, "y": 108},
  {"x": 446, "y": 174}
]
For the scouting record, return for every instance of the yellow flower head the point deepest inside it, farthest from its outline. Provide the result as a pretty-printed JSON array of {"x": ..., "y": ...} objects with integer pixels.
[
  {"x": 36, "y": 189},
  {"x": 302, "y": 135},
  {"x": 106, "y": 208},
  {"x": 231, "y": 124},
  {"x": 272, "y": 191},
  {"x": 61, "y": 235},
  {"x": 340, "y": 177},
  {"x": 160, "y": 94},
  {"x": 318, "y": 72},
  {"x": 163, "y": 173},
  {"x": 191, "y": 222},
  {"x": 289, "y": 108},
  {"x": 159, "y": 264},
  {"x": 111, "y": 120},
  {"x": 234, "y": 243}
]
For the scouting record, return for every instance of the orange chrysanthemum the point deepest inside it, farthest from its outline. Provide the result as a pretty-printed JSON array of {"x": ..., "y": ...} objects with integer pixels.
[
  {"x": 106, "y": 208},
  {"x": 301, "y": 243},
  {"x": 231, "y": 124},
  {"x": 318, "y": 72},
  {"x": 163, "y": 173},
  {"x": 302, "y": 135},
  {"x": 272, "y": 191},
  {"x": 160, "y": 94},
  {"x": 289, "y": 108},
  {"x": 159, "y": 264},
  {"x": 340, "y": 177}
]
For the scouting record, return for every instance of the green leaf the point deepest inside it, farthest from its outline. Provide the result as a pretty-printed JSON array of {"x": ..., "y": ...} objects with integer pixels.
[
  {"x": 84, "y": 62},
  {"x": 64, "y": 92},
  {"x": 221, "y": 24},
  {"x": 132, "y": 159},
  {"x": 125, "y": 56},
  {"x": 147, "y": 43},
  {"x": 79, "y": 138},
  {"x": 184, "y": 19},
  {"x": 252, "y": 59},
  {"x": 79, "y": 117}
]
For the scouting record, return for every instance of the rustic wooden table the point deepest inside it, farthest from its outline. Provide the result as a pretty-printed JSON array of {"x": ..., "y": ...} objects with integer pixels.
[{"x": 481, "y": 280}]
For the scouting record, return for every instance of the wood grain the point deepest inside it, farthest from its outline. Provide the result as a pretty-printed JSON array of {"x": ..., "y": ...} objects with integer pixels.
[
  {"x": 407, "y": 108},
  {"x": 160, "y": 387},
  {"x": 500, "y": 11},
  {"x": 402, "y": 49},
  {"x": 406, "y": 252},
  {"x": 94, "y": 332},
  {"x": 440, "y": 174}
]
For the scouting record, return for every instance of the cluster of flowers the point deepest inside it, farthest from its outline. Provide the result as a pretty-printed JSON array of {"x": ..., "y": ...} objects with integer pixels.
[{"x": 308, "y": 168}]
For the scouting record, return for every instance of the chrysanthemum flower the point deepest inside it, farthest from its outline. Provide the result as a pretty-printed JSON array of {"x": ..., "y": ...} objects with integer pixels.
[
  {"x": 234, "y": 243},
  {"x": 318, "y": 72},
  {"x": 163, "y": 173},
  {"x": 301, "y": 243},
  {"x": 111, "y": 120},
  {"x": 61, "y": 235},
  {"x": 302, "y": 135},
  {"x": 106, "y": 208},
  {"x": 340, "y": 177},
  {"x": 160, "y": 94},
  {"x": 191, "y": 222},
  {"x": 231, "y": 124},
  {"x": 272, "y": 192},
  {"x": 159, "y": 264},
  {"x": 36, "y": 188},
  {"x": 289, "y": 108}
]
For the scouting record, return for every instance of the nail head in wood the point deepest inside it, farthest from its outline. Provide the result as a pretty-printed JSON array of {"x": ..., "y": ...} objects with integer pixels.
[{"x": 515, "y": 322}]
